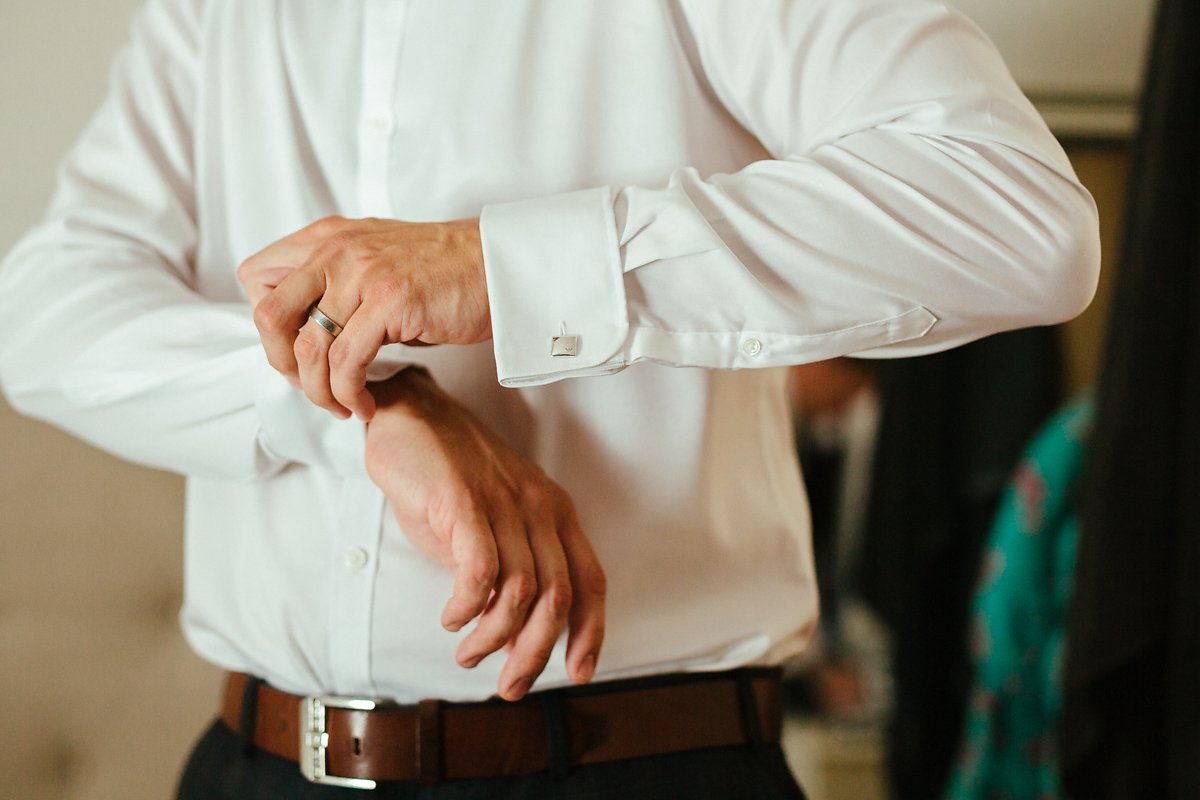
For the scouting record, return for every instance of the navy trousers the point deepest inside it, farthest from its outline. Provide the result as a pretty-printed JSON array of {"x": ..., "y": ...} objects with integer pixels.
[{"x": 222, "y": 768}]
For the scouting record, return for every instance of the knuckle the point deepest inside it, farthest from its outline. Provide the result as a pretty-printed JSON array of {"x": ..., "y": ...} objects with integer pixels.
[
  {"x": 563, "y": 502},
  {"x": 339, "y": 355},
  {"x": 326, "y": 226},
  {"x": 541, "y": 521},
  {"x": 338, "y": 242},
  {"x": 306, "y": 349},
  {"x": 522, "y": 588},
  {"x": 484, "y": 572},
  {"x": 455, "y": 509},
  {"x": 536, "y": 495},
  {"x": 443, "y": 513},
  {"x": 558, "y": 598},
  {"x": 270, "y": 315},
  {"x": 594, "y": 580}
]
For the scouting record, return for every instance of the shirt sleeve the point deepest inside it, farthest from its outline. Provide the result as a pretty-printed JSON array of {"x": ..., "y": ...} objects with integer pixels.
[
  {"x": 913, "y": 201},
  {"x": 107, "y": 336}
]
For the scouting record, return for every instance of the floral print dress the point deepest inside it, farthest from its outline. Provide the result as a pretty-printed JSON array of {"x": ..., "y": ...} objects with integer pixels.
[{"x": 1009, "y": 737}]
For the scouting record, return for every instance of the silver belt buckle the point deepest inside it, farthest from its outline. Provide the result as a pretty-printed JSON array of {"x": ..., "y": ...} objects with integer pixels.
[{"x": 314, "y": 739}]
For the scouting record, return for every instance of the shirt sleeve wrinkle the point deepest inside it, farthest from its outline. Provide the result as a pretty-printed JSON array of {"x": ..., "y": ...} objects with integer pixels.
[
  {"x": 123, "y": 352},
  {"x": 877, "y": 236}
]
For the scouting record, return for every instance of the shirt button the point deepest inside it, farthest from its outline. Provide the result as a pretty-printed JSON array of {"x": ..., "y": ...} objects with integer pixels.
[
  {"x": 752, "y": 347},
  {"x": 355, "y": 558},
  {"x": 379, "y": 122}
]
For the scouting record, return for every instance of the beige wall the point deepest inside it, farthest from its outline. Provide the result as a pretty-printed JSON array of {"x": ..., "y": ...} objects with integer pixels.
[
  {"x": 102, "y": 697},
  {"x": 105, "y": 696}
]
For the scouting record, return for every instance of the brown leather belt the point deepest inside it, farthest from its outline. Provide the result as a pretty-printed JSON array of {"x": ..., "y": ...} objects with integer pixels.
[{"x": 557, "y": 729}]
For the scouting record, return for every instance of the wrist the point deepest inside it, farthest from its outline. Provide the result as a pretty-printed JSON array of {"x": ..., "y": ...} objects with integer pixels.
[{"x": 406, "y": 388}]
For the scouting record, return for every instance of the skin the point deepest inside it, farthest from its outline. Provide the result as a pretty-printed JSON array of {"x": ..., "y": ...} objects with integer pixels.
[
  {"x": 522, "y": 566},
  {"x": 384, "y": 281},
  {"x": 828, "y": 387}
]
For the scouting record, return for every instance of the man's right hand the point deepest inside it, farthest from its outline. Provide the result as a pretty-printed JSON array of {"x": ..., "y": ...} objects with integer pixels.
[{"x": 521, "y": 563}]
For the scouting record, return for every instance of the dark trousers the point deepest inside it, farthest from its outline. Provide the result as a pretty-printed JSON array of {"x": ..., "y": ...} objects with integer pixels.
[{"x": 221, "y": 768}]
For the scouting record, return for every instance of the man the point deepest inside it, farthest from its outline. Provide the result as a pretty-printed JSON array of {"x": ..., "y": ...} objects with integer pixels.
[{"x": 635, "y": 188}]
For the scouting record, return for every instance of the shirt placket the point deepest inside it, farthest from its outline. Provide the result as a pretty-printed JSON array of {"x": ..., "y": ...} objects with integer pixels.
[
  {"x": 361, "y": 504},
  {"x": 383, "y": 33},
  {"x": 356, "y": 571}
]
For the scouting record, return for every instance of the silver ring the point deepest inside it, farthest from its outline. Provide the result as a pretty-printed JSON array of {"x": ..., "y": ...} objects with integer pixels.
[{"x": 318, "y": 316}]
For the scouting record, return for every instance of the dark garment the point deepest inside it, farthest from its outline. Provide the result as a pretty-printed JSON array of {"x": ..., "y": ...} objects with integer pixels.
[
  {"x": 1131, "y": 705},
  {"x": 953, "y": 427},
  {"x": 221, "y": 769}
]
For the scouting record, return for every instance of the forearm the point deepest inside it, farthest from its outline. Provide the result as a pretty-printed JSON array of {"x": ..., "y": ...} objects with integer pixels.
[
  {"x": 522, "y": 565},
  {"x": 907, "y": 199},
  {"x": 115, "y": 349},
  {"x": 787, "y": 262},
  {"x": 134, "y": 362},
  {"x": 112, "y": 334}
]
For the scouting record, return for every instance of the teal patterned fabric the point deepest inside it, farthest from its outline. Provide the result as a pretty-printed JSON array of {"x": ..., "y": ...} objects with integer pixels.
[{"x": 1008, "y": 750}]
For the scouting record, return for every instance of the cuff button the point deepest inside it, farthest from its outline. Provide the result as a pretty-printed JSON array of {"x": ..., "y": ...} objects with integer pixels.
[{"x": 752, "y": 347}]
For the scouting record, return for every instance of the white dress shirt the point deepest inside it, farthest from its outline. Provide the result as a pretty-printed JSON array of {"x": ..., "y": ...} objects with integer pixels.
[{"x": 692, "y": 188}]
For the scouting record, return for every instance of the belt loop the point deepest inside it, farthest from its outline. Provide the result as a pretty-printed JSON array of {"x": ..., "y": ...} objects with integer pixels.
[
  {"x": 429, "y": 742},
  {"x": 556, "y": 733},
  {"x": 749, "y": 703},
  {"x": 248, "y": 717}
]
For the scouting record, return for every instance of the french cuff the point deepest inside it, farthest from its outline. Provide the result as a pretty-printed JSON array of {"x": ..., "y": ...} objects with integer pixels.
[
  {"x": 294, "y": 430},
  {"x": 555, "y": 287}
]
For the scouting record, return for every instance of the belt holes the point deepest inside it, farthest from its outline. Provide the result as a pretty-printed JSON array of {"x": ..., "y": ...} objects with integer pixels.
[{"x": 357, "y": 746}]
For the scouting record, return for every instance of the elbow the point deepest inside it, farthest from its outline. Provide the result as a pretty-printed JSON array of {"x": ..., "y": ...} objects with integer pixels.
[
  {"x": 19, "y": 382},
  {"x": 1067, "y": 281},
  {"x": 1062, "y": 265},
  {"x": 1075, "y": 271}
]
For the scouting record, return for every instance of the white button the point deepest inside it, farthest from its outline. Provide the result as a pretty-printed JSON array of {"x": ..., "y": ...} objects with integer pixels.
[
  {"x": 356, "y": 558},
  {"x": 379, "y": 122},
  {"x": 752, "y": 347}
]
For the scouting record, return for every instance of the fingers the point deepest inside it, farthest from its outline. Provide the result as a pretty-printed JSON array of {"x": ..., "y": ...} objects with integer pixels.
[
  {"x": 477, "y": 565},
  {"x": 521, "y": 565},
  {"x": 534, "y": 642},
  {"x": 586, "y": 623},
  {"x": 260, "y": 283},
  {"x": 421, "y": 282},
  {"x": 332, "y": 370},
  {"x": 349, "y": 356},
  {"x": 515, "y": 591},
  {"x": 311, "y": 349},
  {"x": 549, "y": 580},
  {"x": 316, "y": 349},
  {"x": 283, "y": 284},
  {"x": 264, "y": 270},
  {"x": 283, "y": 312}
]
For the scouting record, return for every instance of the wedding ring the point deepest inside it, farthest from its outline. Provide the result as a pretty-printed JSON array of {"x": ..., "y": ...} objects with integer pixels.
[{"x": 318, "y": 316}]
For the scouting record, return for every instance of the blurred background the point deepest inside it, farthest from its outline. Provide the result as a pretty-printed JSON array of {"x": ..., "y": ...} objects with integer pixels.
[{"x": 90, "y": 574}]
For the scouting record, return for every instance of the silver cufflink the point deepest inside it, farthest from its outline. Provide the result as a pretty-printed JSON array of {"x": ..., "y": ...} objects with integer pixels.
[{"x": 564, "y": 346}]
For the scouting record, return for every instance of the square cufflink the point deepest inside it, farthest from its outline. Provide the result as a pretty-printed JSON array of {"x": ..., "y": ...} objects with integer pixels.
[{"x": 564, "y": 346}]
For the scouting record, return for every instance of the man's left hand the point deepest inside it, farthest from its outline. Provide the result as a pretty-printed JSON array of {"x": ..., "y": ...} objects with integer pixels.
[{"x": 384, "y": 281}]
